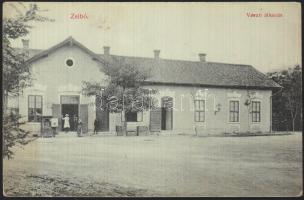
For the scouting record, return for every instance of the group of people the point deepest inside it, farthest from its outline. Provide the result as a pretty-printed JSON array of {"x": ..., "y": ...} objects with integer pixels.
[{"x": 66, "y": 125}]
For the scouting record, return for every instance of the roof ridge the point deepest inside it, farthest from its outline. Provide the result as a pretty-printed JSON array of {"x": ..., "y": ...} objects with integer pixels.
[
  {"x": 142, "y": 57},
  {"x": 167, "y": 59}
]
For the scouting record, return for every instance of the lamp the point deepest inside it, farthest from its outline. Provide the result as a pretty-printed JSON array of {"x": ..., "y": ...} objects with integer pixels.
[{"x": 217, "y": 108}]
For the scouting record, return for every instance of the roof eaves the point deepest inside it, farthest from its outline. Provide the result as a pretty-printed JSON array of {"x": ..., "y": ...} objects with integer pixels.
[
  {"x": 275, "y": 84},
  {"x": 70, "y": 40},
  {"x": 210, "y": 86}
]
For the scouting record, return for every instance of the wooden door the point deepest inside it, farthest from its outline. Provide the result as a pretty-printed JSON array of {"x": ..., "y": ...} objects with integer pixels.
[
  {"x": 83, "y": 113},
  {"x": 103, "y": 120},
  {"x": 169, "y": 119},
  {"x": 56, "y": 112},
  {"x": 102, "y": 116},
  {"x": 155, "y": 120}
]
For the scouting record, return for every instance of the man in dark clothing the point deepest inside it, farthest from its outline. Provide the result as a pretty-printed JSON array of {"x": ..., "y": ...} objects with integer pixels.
[{"x": 95, "y": 126}]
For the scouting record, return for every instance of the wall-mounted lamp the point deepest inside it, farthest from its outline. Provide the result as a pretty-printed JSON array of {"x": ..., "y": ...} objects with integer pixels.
[
  {"x": 217, "y": 108},
  {"x": 247, "y": 102}
]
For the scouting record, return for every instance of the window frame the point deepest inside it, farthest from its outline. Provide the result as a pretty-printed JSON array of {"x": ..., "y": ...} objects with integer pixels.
[
  {"x": 230, "y": 111},
  {"x": 200, "y": 110},
  {"x": 35, "y": 107},
  {"x": 257, "y": 112},
  {"x": 65, "y": 62},
  {"x": 69, "y": 95}
]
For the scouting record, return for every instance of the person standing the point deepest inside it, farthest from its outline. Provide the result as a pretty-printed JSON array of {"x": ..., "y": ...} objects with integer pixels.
[
  {"x": 54, "y": 125},
  {"x": 95, "y": 126},
  {"x": 79, "y": 128},
  {"x": 66, "y": 121}
]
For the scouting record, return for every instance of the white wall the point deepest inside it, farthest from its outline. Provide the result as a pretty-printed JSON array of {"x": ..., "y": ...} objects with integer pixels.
[
  {"x": 183, "y": 111},
  {"x": 52, "y": 78}
]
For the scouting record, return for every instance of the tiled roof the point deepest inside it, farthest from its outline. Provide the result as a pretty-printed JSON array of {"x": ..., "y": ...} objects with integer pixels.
[
  {"x": 165, "y": 71},
  {"x": 199, "y": 73}
]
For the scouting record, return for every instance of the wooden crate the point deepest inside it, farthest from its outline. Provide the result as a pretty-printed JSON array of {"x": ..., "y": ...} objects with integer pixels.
[
  {"x": 142, "y": 130},
  {"x": 120, "y": 130}
]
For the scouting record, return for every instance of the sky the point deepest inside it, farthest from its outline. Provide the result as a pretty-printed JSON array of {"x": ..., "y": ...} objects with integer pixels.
[{"x": 223, "y": 31}]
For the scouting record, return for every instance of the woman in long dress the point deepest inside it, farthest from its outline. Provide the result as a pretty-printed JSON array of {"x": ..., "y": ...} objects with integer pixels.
[{"x": 66, "y": 121}]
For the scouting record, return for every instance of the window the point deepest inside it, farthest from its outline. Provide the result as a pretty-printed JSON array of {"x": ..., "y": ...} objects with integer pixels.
[
  {"x": 34, "y": 108},
  {"x": 256, "y": 111},
  {"x": 234, "y": 111},
  {"x": 69, "y": 62},
  {"x": 199, "y": 114},
  {"x": 133, "y": 116}
]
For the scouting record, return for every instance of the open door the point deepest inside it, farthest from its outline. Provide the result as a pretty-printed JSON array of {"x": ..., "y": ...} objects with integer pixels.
[
  {"x": 84, "y": 117},
  {"x": 167, "y": 113}
]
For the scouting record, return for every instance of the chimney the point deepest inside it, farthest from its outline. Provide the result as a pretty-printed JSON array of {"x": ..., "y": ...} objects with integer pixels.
[
  {"x": 106, "y": 50},
  {"x": 156, "y": 54},
  {"x": 25, "y": 43},
  {"x": 202, "y": 57}
]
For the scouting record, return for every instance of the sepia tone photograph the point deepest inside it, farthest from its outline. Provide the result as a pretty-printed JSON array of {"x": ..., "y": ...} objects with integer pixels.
[{"x": 166, "y": 99}]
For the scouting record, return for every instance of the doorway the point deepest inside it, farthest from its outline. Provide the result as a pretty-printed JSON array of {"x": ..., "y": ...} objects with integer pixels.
[
  {"x": 103, "y": 120},
  {"x": 102, "y": 116},
  {"x": 70, "y": 106},
  {"x": 72, "y": 111},
  {"x": 167, "y": 113}
]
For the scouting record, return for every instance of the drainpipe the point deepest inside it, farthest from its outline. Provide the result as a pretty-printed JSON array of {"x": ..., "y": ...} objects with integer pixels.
[{"x": 270, "y": 98}]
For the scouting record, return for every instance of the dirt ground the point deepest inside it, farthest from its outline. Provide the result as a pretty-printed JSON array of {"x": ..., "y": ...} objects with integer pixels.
[{"x": 157, "y": 166}]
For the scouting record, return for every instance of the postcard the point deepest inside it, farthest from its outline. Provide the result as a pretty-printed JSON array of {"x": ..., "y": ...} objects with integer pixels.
[{"x": 142, "y": 99}]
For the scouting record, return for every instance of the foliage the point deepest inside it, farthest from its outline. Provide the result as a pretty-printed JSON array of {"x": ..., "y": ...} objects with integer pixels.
[
  {"x": 12, "y": 134},
  {"x": 122, "y": 90},
  {"x": 287, "y": 104},
  {"x": 16, "y": 72}
]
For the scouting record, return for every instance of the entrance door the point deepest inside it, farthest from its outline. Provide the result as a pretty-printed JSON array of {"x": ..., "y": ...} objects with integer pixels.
[
  {"x": 72, "y": 111},
  {"x": 70, "y": 106},
  {"x": 167, "y": 119},
  {"x": 102, "y": 116},
  {"x": 167, "y": 113},
  {"x": 163, "y": 118},
  {"x": 155, "y": 120},
  {"x": 103, "y": 120}
]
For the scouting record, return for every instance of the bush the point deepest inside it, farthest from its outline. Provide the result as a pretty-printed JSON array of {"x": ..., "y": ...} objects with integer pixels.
[{"x": 12, "y": 134}]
